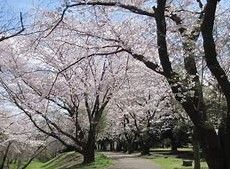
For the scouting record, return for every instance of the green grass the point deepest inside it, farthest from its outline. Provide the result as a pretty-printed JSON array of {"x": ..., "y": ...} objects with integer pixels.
[
  {"x": 33, "y": 165},
  {"x": 70, "y": 160},
  {"x": 171, "y": 162},
  {"x": 164, "y": 158},
  {"x": 101, "y": 162}
]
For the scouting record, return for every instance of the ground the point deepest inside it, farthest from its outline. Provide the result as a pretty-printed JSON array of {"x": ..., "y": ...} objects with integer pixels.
[
  {"x": 159, "y": 159},
  {"x": 126, "y": 161}
]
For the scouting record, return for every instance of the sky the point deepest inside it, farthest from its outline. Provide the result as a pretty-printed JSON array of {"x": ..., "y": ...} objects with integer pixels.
[
  {"x": 10, "y": 10},
  {"x": 14, "y": 7},
  {"x": 25, "y": 5}
]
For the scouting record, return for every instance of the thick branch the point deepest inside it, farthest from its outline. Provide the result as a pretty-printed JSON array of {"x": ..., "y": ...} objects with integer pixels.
[
  {"x": 210, "y": 50},
  {"x": 161, "y": 38},
  {"x": 151, "y": 65}
]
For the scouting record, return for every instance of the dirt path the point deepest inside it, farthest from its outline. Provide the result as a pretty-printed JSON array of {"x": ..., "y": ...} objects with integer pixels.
[{"x": 125, "y": 161}]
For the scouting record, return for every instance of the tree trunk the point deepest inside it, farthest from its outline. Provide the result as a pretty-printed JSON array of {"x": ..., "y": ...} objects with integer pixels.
[
  {"x": 144, "y": 149},
  {"x": 222, "y": 79},
  {"x": 111, "y": 143},
  {"x": 130, "y": 147},
  {"x": 211, "y": 147},
  {"x": 103, "y": 145},
  {"x": 89, "y": 156},
  {"x": 224, "y": 135},
  {"x": 196, "y": 149},
  {"x": 173, "y": 145},
  {"x": 89, "y": 149},
  {"x": 119, "y": 146},
  {"x": 208, "y": 138}
]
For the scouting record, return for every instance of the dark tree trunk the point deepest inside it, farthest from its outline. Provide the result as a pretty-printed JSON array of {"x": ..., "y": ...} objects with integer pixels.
[
  {"x": 208, "y": 138},
  {"x": 119, "y": 146},
  {"x": 125, "y": 149},
  {"x": 145, "y": 149},
  {"x": 89, "y": 156},
  {"x": 223, "y": 81},
  {"x": 173, "y": 145},
  {"x": 89, "y": 149},
  {"x": 224, "y": 135},
  {"x": 196, "y": 149},
  {"x": 128, "y": 144},
  {"x": 103, "y": 145},
  {"x": 111, "y": 143},
  {"x": 211, "y": 147},
  {"x": 130, "y": 147},
  {"x": 145, "y": 141}
]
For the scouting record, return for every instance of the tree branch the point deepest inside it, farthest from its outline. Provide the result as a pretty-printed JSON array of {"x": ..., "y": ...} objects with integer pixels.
[
  {"x": 153, "y": 66},
  {"x": 131, "y": 8},
  {"x": 210, "y": 50},
  {"x": 17, "y": 33}
]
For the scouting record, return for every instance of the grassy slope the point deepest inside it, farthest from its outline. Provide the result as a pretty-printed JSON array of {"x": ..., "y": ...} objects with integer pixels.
[
  {"x": 163, "y": 158},
  {"x": 101, "y": 162},
  {"x": 33, "y": 165},
  {"x": 71, "y": 160}
]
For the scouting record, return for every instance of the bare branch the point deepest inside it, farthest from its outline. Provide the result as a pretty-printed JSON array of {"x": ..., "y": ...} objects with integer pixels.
[
  {"x": 17, "y": 33},
  {"x": 131, "y": 8},
  {"x": 79, "y": 60}
]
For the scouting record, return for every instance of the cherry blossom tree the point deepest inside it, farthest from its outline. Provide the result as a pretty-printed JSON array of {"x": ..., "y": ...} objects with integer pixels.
[
  {"x": 141, "y": 103},
  {"x": 61, "y": 87},
  {"x": 80, "y": 52},
  {"x": 18, "y": 141},
  {"x": 133, "y": 36},
  {"x": 137, "y": 108}
]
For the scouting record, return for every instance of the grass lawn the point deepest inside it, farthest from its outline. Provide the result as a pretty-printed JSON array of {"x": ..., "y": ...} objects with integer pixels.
[
  {"x": 70, "y": 160},
  {"x": 172, "y": 162},
  {"x": 166, "y": 160}
]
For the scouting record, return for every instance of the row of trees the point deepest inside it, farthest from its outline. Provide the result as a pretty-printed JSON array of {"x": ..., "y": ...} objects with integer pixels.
[{"x": 72, "y": 68}]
